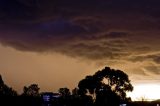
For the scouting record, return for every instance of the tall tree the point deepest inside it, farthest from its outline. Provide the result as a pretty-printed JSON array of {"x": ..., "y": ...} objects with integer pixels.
[{"x": 107, "y": 83}]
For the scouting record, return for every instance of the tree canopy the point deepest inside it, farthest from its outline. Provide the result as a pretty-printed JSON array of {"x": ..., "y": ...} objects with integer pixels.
[
  {"x": 106, "y": 83},
  {"x": 64, "y": 92},
  {"x": 32, "y": 90}
]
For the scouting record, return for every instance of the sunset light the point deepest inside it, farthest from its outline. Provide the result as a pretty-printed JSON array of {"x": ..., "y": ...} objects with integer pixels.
[{"x": 145, "y": 92}]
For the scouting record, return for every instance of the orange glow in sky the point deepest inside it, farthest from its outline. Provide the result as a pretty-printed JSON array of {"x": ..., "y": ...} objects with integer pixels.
[{"x": 144, "y": 92}]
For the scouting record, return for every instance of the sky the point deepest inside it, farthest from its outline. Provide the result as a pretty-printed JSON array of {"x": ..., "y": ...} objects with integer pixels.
[{"x": 56, "y": 43}]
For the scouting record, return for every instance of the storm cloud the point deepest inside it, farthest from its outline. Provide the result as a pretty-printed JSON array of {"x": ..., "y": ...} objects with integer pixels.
[{"x": 106, "y": 30}]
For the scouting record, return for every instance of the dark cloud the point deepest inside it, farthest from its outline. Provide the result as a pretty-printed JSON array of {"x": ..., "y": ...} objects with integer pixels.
[
  {"x": 39, "y": 9},
  {"x": 107, "y": 30}
]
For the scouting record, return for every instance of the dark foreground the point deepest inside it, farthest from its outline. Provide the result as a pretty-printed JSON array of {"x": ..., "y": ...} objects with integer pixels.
[{"x": 31, "y": 101}]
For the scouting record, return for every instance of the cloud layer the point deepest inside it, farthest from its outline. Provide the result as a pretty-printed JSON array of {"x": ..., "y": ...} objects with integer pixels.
[{"x": 106, "y": 30}]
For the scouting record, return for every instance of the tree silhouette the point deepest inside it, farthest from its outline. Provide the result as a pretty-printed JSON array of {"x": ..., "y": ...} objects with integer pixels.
[
  {"x": 5, "y": 90},
  {"x": 64, "y": 92},
  {"x": 106, "y": 85},
  {"x": 32, "y": 90},
  {"x": 75, "y": 92},
  {"x": 65, "y": 98}
]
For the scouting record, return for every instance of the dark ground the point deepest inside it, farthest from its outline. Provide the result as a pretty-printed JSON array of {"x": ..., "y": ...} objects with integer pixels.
[{"x": 31, "y": 101}]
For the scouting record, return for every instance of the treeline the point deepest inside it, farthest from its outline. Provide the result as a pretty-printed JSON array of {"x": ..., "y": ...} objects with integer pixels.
[{"x": 107, "y": 87}]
